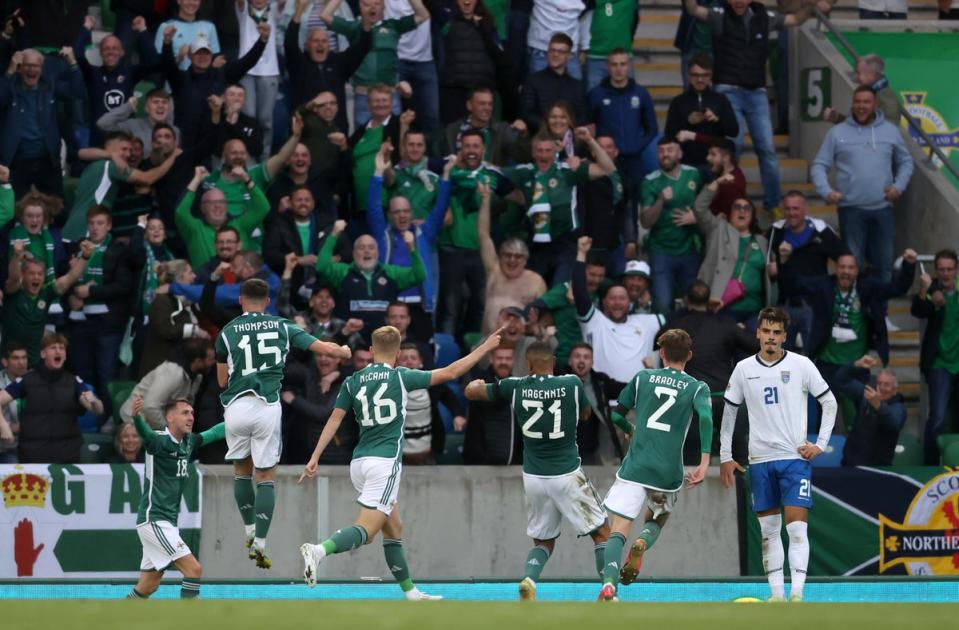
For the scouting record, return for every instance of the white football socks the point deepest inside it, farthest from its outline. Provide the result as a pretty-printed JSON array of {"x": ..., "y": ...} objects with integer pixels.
[
  {"x": 798, "y": 556},
  {"x": 773, "y": 554}
]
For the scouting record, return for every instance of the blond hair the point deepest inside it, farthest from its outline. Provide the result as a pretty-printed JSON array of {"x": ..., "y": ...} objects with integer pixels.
[{"x": 386, "y": 341}]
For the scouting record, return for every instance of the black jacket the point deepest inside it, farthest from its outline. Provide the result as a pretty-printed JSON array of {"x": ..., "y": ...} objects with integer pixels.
[
  {"x": 191, "y": 89},
  {"x": 716, "y": 342},
  {"x": 306, "y": 416},
  {"x": 820, "y": 292},
  {"x": 872, "y": 441},
  {"x": 246, "y": 128},
  {"x": 677, "y": 119},
  {"x": 282, "y": 237},
  {"x": 588, "y": 431},
  {"x": 49, "y": 432},
  {"x": 308, "y": 78},
  {"x": 116, "y": 290},
  {"x": 491, "y": 436},
  {"x": 605, "y": 220},
  {"x": 812, "y": 259},
  {"x": 544, "y": 88},
  {"x": 935, "y": 320},
  {"x": 739, "y": 54}
]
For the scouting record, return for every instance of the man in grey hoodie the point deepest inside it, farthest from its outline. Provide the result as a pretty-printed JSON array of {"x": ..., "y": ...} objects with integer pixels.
[{"x": 873, "y": 168}]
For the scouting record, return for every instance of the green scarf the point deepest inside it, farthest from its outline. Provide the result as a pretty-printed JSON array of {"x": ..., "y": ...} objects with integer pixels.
[
  {"x": 40, "y": 245},
  {"x": 94, "y": 269},
  {"x": 149, "y": 281},
  {"x": 464, "y": 183},
  {"x": 539, "y": 208}
]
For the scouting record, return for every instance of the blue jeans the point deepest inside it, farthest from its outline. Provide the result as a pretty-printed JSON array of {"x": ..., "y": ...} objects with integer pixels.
[
  {"x": 421, "y": 75},
  {"x": 94, "y": 353},
  {"x": 941, "y": 384},
  {"x": 870, "y": 235},
  {"x": 781, "y": 81},
  {"x": 261, "y": 93},
  {"x": 668, "y": 273},
  {"x": 867, "y": 14},
  {"x": 361, "y": 109},
  {"x": 752, "y": 111},
  {"x": 538, "y": 61}
]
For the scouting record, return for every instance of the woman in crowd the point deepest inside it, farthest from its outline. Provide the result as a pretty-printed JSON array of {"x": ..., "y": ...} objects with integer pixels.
[
  {"x": 172, "y": 318},
  {"x": 127, "y": 446}
]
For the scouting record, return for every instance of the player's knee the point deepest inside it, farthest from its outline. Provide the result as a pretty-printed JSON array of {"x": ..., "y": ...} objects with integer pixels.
[{"x": 770, "y": 526}]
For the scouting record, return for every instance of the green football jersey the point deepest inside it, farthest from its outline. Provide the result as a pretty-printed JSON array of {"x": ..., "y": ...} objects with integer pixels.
[
  {"x": 377, "y": 396},
  {"x": 665, "y": 237},
  {"x": 254, "y": 347},
  {"x": 546, "y": 408},
  {"x": 664, "y": 401},
  {"x": 421, "y": 194}
]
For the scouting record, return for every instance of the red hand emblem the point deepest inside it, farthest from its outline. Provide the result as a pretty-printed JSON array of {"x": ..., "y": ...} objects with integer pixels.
[{"x": 23, "y": 552}]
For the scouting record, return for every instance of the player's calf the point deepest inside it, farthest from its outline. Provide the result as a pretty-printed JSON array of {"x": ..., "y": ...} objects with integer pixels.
[{"x": 192, "y": 571}]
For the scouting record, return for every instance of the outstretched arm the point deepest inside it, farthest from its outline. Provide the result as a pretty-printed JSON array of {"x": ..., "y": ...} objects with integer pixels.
[
  {"x": 458, "y": 368},
  {"x": 329, "y": 431},
  {"x": 487, "y": 248},
  {"x": 213, "y": 434},
  {"x": 325, "y": 347}
]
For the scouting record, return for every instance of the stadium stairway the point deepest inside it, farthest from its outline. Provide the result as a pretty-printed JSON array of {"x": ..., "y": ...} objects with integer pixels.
[{"x": 657, "y": 67}]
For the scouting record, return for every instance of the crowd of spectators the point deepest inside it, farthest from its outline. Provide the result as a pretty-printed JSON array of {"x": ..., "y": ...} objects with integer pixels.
[{"x": 443, "y": 166}]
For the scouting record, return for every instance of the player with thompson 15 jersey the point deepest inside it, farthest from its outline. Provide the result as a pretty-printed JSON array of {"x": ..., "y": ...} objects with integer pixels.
[
  {"x": 377, "y": 395},
  {"x": 775, "y": 385},
  {"x": 547, "y": 409},
  {"x": 648, "y": 482},
  {"x": 251, "y": 355}
]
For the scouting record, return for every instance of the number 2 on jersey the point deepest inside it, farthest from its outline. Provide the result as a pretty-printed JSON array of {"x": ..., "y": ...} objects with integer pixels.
[
  {"x": 772, "y": 395},
  {"x": 384, "y": 411},
  {"x": 653, "y": 422},
  {"x": 557, "y": 431},
  {"x": 262, "y": 349}
]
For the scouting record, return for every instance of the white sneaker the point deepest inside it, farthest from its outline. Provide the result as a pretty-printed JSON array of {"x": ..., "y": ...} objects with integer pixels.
[
  {"x": 312, "y": 556},
  {"x": 416, "y": 595}
]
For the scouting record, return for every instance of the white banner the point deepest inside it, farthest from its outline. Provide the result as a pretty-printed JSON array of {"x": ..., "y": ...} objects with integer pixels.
[{"x": 79, "y": 520}]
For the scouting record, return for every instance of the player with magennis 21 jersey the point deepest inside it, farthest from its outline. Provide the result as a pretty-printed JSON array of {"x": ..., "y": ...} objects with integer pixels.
[
  {"x": 775, "y": 385},
  {"x": 546, "y": 409},
  {"x": 251, "y": 355},
  {"x": 651, "y": 475}
]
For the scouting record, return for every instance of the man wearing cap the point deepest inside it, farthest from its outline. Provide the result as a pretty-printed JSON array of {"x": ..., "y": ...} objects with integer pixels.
[
  {"x": 637, "y": 282},
  {"x": 512, "y": 319},
  {"x": 193, "y": 86}
]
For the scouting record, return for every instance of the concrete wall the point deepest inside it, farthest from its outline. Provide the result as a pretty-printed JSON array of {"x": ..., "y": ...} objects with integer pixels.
[
  {"x": 927, "y": 216},
  {"x": 460, "y": 522}
]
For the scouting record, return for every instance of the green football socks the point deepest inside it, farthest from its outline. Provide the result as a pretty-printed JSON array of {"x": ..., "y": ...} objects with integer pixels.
[
  {"x": 599, "y": 553},
  {"x": 345, "y": 539},
  {"x": 244, "y": 495},
  {"x": 396, "y": 561},
  {"x": 614, "y": 555},
  {"x": 190, "y": 588},
  {"x": 263, "y": 507},
  {"x": 135, "y": 594},
  {"x": 650, "y": 533},
  {"x": 536, "y": 562}
]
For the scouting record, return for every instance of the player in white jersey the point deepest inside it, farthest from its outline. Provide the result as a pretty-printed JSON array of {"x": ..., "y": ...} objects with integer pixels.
[{"x": 775, "y": 384}]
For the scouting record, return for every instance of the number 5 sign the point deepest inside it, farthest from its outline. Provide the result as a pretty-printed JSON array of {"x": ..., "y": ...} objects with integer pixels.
[{"x": 816, "y": 92}]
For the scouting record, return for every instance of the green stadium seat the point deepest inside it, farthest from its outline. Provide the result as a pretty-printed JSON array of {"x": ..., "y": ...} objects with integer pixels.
[
  {"x": 97, "y": 448},
  {"x": 944, "y": 440},
  {"x": 107, "y": 17},
  {"x": 472, "y": 339},
  {"x": 908, "y": 451},
  {"x": 848, "y": 410},
  {"x": 951, "y": 455},
  {"x": 119, "y": 392},
  {"x": 453, "y": 451}
]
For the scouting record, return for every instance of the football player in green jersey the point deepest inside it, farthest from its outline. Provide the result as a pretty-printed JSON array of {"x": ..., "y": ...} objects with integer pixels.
[
  {"x": 547, "y": 409},
  {"x": 377, "y": 395},
  {"x": 165, "y": 474},
  {"x": 652, "y": 473},
  {"x": 251, "y": 355}
]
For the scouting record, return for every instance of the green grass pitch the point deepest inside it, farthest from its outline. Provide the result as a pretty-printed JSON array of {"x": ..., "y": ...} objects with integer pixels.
[{"x": 450, "y": 615}]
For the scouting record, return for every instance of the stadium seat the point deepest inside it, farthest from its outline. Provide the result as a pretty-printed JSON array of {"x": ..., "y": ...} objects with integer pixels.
[
  {"x": 119, "y": 392},
  {"x": 832, "y": 458},
  {"x": 472, "y": 339},
  {"x": 847, "y": 408},
  {"x": 107, "y": 17},
  {"x": 908, "y": 451},
  {"x": 945, "y": 440},
  {"x": 950, "y": 456},
  {"x": 97, "y": 447},
  {"x": 453, "y": 452},
  {"x": 447, "y": 349}
]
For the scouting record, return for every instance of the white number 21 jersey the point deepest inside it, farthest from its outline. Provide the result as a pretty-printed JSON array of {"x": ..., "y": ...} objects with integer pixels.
[{"x": 776, "y": 399}]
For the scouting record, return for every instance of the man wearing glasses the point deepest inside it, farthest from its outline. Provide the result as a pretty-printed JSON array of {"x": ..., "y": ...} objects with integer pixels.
[{"x": 553, "y": 83}]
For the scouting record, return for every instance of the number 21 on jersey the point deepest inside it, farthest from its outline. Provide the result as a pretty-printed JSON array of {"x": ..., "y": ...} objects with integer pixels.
[
  {"x": 771, "y": 395},
  {"x": 537, "y": 406}
]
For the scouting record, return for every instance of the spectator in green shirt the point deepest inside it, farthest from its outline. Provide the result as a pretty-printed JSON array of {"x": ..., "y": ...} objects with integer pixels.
[
  {"x": 379, "y": 66},
  {"x": 199, "y": 234},
  {"x": 411, "y": 177},
  {"x": 667, "y": 196}
]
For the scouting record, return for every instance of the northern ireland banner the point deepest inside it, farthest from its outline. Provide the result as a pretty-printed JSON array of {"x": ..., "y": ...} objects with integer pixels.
[{"x": 69, "y": 520}]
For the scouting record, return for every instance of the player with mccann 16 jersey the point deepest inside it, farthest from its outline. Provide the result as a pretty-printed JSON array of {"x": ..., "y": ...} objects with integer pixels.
[
  {"x": 775, "y": 385},
  {"x": 251, "y": 354},
  {"x": 547, "y": 409},
  {"x": 648, "y": 482}
]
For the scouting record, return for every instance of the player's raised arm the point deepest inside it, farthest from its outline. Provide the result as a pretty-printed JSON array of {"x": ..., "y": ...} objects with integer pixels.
[
  {"x": 325, "y": 347},
  {"x": 148, "y": 435},
  {"x": 332, "y": 426},
  {"x": 458, "y": 368}
]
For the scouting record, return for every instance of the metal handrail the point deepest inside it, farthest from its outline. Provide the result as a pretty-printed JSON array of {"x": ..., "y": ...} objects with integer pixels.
[{"x": 910, "y": 119}]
